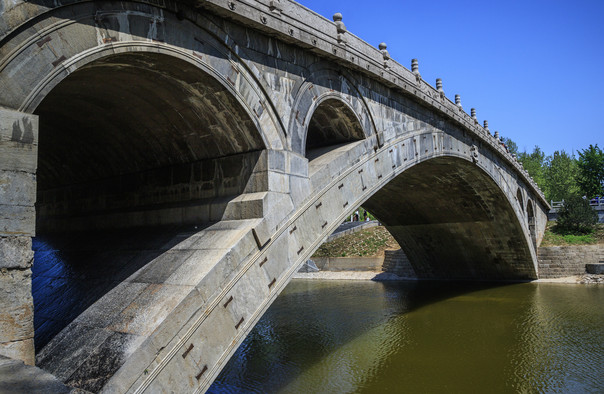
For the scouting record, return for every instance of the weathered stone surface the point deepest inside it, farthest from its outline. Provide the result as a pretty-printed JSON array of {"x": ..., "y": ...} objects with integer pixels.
[
  {"x": 18, "y": 142},
  {"x": 396, "y": 262},
  {"x": 17, "y": 188},
  {"x": 101, "y": 363},
  {"x": 16, "y": 220},
  {"x": 18, "y": 378},
  {"x": 16, "y": 311},
  {"x": 16, "y": 314},
  {"x": 16, "y": 252},
  {"x": 561, "y": 261},
  {"x": 19, "y": 350}
]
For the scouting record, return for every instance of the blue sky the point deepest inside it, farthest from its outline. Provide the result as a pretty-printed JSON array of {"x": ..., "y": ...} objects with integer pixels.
[{"x": 533, "y": 69}]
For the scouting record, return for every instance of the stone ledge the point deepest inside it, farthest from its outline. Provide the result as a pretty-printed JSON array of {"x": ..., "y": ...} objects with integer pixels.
[
  {"x": 16, "y": 252},
  {"x": 16, "y": 377}
]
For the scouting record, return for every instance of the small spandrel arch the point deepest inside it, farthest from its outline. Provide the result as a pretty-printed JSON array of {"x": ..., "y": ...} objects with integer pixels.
[
  {"x": 532, "y": 222},
  {"x": 520, "y": 199},
  {"x": 333, "y": 123}
]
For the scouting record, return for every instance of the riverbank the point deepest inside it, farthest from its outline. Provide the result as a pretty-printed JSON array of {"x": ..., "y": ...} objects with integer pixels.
[
  {"x": 372, "y": 254},
  {"x": 385, "y": 276}
]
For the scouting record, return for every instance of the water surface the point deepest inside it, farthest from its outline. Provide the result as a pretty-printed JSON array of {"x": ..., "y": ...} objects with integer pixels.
[{"x": 428, "y": 337}]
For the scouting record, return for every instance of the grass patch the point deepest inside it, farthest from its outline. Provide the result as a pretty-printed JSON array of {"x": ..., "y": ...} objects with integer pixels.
[
  {"x": 555, "y": 237},
  {"x": 372, "y": 242},
  {"x": 365, "y": 243}
]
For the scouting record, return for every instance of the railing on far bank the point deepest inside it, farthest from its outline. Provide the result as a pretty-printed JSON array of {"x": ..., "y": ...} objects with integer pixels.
[{"x": 597, "y": 202}]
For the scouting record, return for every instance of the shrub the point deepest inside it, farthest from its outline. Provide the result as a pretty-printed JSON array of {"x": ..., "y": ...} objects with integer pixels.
[{"x": 576, "y": 216}]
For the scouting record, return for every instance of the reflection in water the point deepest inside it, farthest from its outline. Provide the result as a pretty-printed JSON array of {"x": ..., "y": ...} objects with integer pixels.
[{"x": 345, "y": 336}]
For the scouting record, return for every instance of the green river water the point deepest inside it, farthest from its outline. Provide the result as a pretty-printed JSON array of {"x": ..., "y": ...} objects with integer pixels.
[{"x": 424, "y": 337}]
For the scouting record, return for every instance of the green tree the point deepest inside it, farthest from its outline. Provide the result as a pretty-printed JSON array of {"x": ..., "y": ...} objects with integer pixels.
[
  {"x": 534, "y": 163},
  {"x": 561, "y": 172},
  {"x": 576, "y": 216},
  {"x": 512, "y": 146},
  {"x": 591, "y": 168}
]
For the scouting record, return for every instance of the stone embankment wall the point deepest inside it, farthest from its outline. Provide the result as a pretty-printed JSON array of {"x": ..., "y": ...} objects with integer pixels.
[
  {"x": 348, "y": 263},
  {"x": 560, "y": 261},
  {"x": 396, "y": 262},
  {"x": 554, "y": 261}
]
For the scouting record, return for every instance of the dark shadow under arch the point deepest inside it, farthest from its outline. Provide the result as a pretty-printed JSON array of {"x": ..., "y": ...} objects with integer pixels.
[
  {"x": 140, "y": 130},
  {"x": 530, "y": 215},
  {"x": 332, "y": 124},
  {"x": 453, "y": 222},
  {"x": 520, "y": 199}
]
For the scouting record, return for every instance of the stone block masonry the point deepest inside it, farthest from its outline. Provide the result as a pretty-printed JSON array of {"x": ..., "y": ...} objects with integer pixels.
[
  {"x": 18, "y": 162},
  {"x": 396, "y": 262},
  {"x": 561, "y": 261},
  {"x": 554, "y": 261},
  {"x": 348, "y": 263}
]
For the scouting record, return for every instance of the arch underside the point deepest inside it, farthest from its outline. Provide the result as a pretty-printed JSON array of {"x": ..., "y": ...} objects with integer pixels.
[
  {"x": 453, "y": 222},
  {"x": 332, "y": 123},
  {"x": 140, "y": 131},
  {"x": 135, "y": 150}
]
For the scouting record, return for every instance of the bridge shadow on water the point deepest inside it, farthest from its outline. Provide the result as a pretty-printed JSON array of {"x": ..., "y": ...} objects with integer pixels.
[
  {"x": 72, "y": 271},
  {"x": 340, "y": 320}
]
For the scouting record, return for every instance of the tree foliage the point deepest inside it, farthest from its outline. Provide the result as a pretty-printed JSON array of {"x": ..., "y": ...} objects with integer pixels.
[
  {"x": 560, "y": 176},
  {"x": 576, "y": 216},
  {"x": 534, "y": 163},
  {"x": 591, "y": 168},
  {"x": 511, "y": 145}
]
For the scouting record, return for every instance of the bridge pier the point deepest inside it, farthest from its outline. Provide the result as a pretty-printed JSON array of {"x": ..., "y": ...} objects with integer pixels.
[{"x": 18, "y": 162}]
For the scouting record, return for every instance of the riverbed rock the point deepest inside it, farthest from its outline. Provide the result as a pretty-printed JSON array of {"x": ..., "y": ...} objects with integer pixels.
[{"x": 591, "y": 278}]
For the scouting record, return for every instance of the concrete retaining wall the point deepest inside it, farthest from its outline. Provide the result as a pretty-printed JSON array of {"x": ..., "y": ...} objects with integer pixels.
[
  {"x": 394, "y": 262},
  {"x": 349, "y": 263},
  {"x": 560, "y": 261},
  {"x": 554, "y": 262}
]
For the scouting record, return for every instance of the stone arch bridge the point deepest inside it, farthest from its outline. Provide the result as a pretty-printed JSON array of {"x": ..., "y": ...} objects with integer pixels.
[{"x": 207, "y": 148}]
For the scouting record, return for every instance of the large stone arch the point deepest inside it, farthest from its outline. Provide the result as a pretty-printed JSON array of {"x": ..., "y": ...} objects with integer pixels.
[
  {"x": 72, "y": 36},
  {"x": 453, "y": 220},
  {"x": 141, "y": 129},
  {"x": 171, "y": 149},
  {"x": 89, "y": 62}
]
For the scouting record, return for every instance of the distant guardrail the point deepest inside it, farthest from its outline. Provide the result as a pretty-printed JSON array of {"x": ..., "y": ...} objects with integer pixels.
[{"x": 597, "y": 202}]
